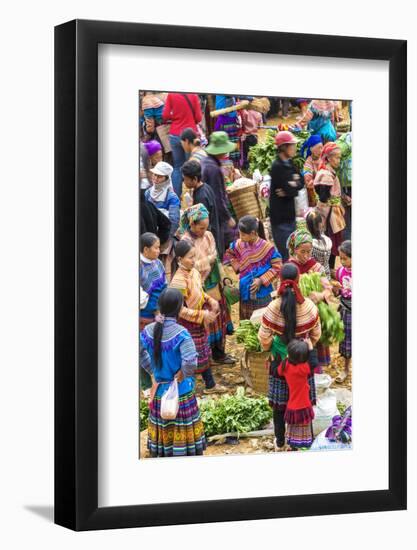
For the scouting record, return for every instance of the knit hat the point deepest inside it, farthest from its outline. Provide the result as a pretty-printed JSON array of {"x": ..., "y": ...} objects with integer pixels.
[
  {"x": 220, "y": 144},
  {"x": 152, "y": 147}
]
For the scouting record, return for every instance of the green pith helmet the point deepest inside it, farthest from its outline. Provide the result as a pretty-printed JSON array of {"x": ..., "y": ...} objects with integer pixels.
[{"x": 220, "y": 144}]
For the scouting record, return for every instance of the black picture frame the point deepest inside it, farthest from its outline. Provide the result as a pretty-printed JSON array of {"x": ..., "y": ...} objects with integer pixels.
[{"x": 76, "y": 271}]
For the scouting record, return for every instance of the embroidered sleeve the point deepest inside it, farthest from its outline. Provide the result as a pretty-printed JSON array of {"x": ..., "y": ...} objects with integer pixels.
[
  {"x": 274, "y": 272},
  {"x": 174, "y": 214},
  {"x": 230, "y": 257},
  {"x": 188, "y": 356},
  {"x": 191, "y": 315},
  {"x": 315, "y": 332},
  {"x": 144, "y": 358},
  {"x": 308, "y": 172}
]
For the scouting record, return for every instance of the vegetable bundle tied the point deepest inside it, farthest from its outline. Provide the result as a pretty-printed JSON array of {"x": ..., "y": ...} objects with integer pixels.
[
  {"x": 332, "y": 328},
  {"x": 247, "y": 334}
]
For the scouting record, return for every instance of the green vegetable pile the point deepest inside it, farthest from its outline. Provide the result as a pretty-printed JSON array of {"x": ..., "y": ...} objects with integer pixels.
[
  {"x": 234, "y": 413},
  {"x": 341, "y": 408},
  {"x": 247, "y": 334},
  {"x": 262, "y": 155},
  {"x": 332, "y": 328},
  {"x": 143, "y": 414}
]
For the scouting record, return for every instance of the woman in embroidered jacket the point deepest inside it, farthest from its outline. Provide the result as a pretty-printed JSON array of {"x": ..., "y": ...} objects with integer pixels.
[
  {"x": 320, "y": 118},
  {"x": 198, "y": 312},
  {"x": 152, "y": 277},
  {"x": 258, "y": 263},
  {"x": 312, "y": 149},
  {"x": 327, "y": 187},
  {"x": 289, "y": 316},
  {"x": 194, "y": 227},
  {"x": 167, "y": 352},
  {"x": 300, "y": 247}
]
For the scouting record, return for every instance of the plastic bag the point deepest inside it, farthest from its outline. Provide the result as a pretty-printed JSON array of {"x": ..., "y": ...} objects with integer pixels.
[
  {"x": 323, "y": 382},
  {"x": 321, "y": 443},
  {"x": 301, "y": 203},
  {"x": 324, "y": 411},
  {"x": 170, "y": 402}
]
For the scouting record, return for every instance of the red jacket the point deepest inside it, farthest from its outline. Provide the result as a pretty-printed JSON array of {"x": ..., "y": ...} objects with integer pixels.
[
  {"x": 178, "y": 111},
  {"x": 297, "y": 380}
]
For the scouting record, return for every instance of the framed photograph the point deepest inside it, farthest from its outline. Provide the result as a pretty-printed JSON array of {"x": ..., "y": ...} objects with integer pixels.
[{"x": 211, "y": 189}]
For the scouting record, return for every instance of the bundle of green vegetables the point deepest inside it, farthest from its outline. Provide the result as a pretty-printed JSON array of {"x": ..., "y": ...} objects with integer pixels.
[
  {"x": 332, "y": 329},
  {"x": 234, "y": 413},
  {"x": 344, "y": 172},
  {"x": 247, "y": 334},
  {"x": 262, "y": 155}
]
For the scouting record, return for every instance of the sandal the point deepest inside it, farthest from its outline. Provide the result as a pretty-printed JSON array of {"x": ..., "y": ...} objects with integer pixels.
[
  {"x": 215, "y": 389},
  {"x": 226, "y": 360}
]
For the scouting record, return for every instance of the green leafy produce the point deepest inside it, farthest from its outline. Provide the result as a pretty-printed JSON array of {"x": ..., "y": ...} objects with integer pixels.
[
  {"x": 143, "y": 414},
  {"x": 234, "y": 413},
  {"x": 341, "y": 407},
  {"x": 247, "y": 334},
  {"x": 332, "y": 328},
  {"x": 262, "y": 155}
]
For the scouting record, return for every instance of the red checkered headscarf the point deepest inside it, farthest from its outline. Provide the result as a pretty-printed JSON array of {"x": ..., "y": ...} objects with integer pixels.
[{"x": 328, "y": 150}]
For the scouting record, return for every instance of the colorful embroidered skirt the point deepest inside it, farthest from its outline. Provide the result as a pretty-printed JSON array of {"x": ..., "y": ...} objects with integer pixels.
[
  {"x": 323, "y": 357},
  {"x": 345, "y": 347},
  {"x": 248, "y": 307},
  {"x": 183, "y": 436},
  {"x": 200, "y": 338},
  {"x": 299, "y": 435},
  {"x": 222, "y": 326},
  {"x": 278, "y": 393}
]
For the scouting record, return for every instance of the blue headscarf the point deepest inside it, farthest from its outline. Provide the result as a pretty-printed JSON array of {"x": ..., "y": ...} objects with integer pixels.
[{"x": 310, "y": 142}]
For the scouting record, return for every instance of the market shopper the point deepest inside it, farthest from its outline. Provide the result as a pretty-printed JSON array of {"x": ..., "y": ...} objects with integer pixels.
[
  {"x": 285, "y": 184},
  {"x": 191, "y": 144},
  {"x": 194, "y": 227},
  {"x": 154, "y": 150},
  {"x": 168, "y": 352},
  {"x": 327, "y": 187},
  {"x": 229, "y": 123},
  {"x": 258, "y": 264},
  {"x": 287, "y": 317},
  {"x": 198, "y": 312},
  {"x": 299, "y": 413},
  {"x": 203, "y": 194},
  {"x": 183, "y": 111},
  {"x": 212, "y": 175},
  {"x": 162, "y": 196},
  {"x": 311, "y": 149},
  {"x": 300, "y": 248},
  {"x": 251, "y": 120},
  {"x": 344, "y": 278},
  {"x": 320, "y": 118},
  {"x": 321, "y": 243}
]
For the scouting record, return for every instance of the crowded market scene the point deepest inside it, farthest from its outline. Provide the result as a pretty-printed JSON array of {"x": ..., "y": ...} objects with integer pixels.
[{"x": 245, "y": 274}]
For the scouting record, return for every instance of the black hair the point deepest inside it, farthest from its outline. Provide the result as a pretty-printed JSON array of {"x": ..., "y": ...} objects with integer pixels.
[
  {"x": 247, "y": 224},
  {"x": 170, "y": 304},
  {"x": 297, "y": 351},
  {"x": 346, "y": 248},
  {"x": 192, "y": 169},
  {"x": 189, "y": 135},
  {"x": 289, "y": 302},
  {"x": 183, "y": 248},
  {"x": 314, "y": 219},
  {"x": 147, "y": 240}
]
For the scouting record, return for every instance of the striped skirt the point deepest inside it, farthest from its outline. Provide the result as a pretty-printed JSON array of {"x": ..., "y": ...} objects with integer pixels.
[
  {"x": 183, "y": 436},
  {"x": 200, "y": 338},
  {"x": 222, "y": 326},
  {"x": 345, "y": 347},
  {"x": 323, "y": 357},
  {"x": 248, "y": 307},
  {"x": 278, "y": 392},
  {"x": 299, "y": 435}
]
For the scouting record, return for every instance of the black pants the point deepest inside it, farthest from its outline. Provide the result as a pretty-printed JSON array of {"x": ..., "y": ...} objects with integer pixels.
[
  {"x": 279, "y": 426},
  {"x": 249, "y": 142}
]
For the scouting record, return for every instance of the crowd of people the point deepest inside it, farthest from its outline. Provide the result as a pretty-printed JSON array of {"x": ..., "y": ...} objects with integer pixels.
[{"x": 191, "y": 240}]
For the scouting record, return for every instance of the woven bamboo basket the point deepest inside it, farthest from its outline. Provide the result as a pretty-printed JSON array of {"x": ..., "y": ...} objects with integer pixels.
[
  {"x": 255, "y": 371},
  {"x": 245, "y": 201}
]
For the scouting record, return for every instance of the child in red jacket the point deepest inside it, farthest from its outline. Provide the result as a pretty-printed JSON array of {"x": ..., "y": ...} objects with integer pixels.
[{"x": 299, "y": 412}]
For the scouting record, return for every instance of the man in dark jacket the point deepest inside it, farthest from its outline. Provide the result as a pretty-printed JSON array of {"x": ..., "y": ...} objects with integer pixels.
[
  {"x": 212, "y": 175},
  {"x": 285, "y": 184}
]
